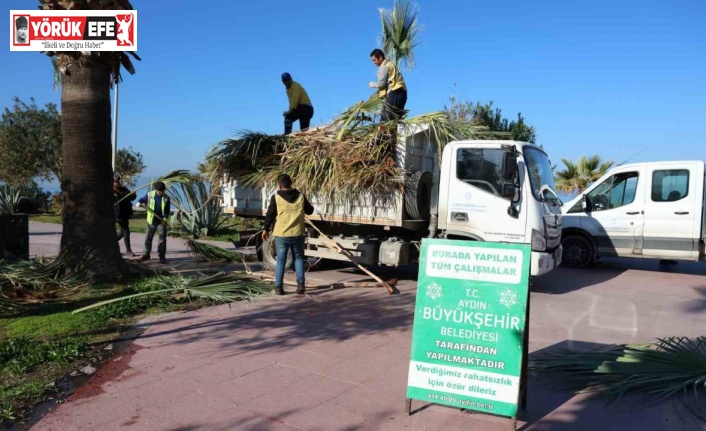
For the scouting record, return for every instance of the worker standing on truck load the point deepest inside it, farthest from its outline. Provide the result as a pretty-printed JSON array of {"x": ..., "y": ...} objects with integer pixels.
[
  {"x": 287, "y": 211},
  {"x": 390, "y": 86},
  {"x": 300, "y": 107},
  {"x": 158, "y": 208}
]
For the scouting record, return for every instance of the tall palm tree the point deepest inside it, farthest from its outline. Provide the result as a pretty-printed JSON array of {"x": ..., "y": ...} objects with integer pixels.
[
  {"x": 577, "y": 176},
  {"x": 400, "y": 32},
  {"x": 86, "y": 79}
]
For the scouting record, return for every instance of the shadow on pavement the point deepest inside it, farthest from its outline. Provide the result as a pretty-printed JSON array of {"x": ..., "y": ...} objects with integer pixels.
[
  {"x": 699, "y": 305},
  {"x": 565, "y": 280},
  {"x": 295, "y": 320}
]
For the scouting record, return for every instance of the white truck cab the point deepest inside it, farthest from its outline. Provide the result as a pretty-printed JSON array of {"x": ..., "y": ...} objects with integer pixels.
[
  {"x": 477, "y": 202},
  {"x": 649, "y": 210}
]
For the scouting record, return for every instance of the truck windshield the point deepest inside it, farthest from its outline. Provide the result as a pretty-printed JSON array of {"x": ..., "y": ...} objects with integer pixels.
[{"x": 540, "y": 175}]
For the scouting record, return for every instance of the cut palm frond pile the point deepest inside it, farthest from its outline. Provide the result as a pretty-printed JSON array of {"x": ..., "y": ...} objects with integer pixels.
[
  {"x": 219, "y": 288},
  {"x": 22, "y": 281},
  {"x": 352, "y": 156},
  {"x": 663, "y": 368}
]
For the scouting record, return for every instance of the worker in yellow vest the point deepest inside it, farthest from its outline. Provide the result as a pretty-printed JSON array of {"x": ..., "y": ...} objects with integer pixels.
[
  {"x": 300, "y": 107},
  {"x": 390, "y": 87},
  {"x": 158, "y": 208},
  {"x": 286, "y": 212}
]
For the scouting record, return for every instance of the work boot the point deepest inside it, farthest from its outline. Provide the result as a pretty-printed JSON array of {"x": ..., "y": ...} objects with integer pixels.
[
  {"x": 300, "y": 288},
  {"x": 279, "y": 290},
  {"x": 162, "y": 260},
  {"x": 144, "y": 257}
]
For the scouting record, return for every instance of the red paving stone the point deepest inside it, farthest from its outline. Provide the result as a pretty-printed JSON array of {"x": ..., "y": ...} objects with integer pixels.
[{"x": 337, "y": 360}]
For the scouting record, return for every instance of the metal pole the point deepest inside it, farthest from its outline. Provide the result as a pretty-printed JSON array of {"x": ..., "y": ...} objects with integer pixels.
[{"x": 115, "y": 126}]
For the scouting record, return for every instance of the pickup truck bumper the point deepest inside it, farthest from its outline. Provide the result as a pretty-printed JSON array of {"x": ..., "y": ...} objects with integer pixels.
[{"x": 544, "y": 262}]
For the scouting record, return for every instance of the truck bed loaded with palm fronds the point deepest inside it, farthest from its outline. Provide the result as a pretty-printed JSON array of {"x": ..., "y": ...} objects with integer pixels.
[{"x": 374, "y": 186}]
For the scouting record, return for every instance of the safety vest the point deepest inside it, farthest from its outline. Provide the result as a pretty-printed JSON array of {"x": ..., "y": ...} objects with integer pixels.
[
  {"x": 151, "y": 204},
  {"x": 290, "y": 217},
  {"x": 395, "y": 81}
]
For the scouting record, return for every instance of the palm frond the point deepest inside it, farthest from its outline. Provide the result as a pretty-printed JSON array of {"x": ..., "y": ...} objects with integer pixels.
[
  {"x": 220, "y": 288},
  {"x": 662, "y": 368},
  {"x": 400, "y": 32},
  {"x": 173, "y": 178},
  {"x": 212, "y": 253}
]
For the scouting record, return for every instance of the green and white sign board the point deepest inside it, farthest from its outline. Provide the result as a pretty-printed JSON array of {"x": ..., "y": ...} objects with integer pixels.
[{"x": 468, "y": 325}]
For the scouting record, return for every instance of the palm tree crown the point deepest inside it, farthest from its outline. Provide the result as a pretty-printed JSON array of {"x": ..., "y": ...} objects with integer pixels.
[{"x": 577, "y": 176}]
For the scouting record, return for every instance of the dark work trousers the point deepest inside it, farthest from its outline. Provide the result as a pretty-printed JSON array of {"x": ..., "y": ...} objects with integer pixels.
[
  {"x": 303, "y": 113},
  {"x": 394, "y": 108},
  {"x": 124, "y": 233},
  {"x": 161, "y": 229}
]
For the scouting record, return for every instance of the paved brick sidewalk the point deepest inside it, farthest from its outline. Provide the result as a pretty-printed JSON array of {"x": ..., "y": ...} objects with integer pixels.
[{"x": 337, "y": 360}]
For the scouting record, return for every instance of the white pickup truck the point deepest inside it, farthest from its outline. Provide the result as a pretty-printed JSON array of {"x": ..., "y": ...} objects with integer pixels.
[{"x": 647, "y": 210}]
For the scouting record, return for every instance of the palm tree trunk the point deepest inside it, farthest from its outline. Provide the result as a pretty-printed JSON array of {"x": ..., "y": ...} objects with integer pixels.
[{"x": 88, "y": 215}]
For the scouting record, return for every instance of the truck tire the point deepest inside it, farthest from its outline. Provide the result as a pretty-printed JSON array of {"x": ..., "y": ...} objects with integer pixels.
[
  {"x": 417, "y": 195},
  {"x": 269, "y": 255},
  {"x": 577, "y": 251}
]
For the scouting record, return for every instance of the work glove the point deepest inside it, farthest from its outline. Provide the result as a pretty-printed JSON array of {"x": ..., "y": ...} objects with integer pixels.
[{"x": 373, "y": 84}]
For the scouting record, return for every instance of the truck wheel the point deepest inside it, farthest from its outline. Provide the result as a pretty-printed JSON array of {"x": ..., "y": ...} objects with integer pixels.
[
  {"x": 269, "y": 254},
  {"x": 417, "y": 195},
  {"x": 578, "y": 251}
]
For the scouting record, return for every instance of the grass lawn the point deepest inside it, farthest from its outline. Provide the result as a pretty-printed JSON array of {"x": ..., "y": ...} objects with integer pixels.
[
  {"x": 47, "y": 342},
  {"x": 138, "y": 223}
]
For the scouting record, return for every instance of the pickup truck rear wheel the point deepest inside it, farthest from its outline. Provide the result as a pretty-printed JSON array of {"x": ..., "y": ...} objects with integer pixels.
[
  {"x": 577, "y": 251},
  {"x": 417, "y": 195},
  {"x": 269, "y": 254}
]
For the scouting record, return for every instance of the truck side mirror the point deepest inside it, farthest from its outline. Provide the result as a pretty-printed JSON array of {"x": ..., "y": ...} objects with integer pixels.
[
  {"x": 585, "y": 205},
  {"x": 512, "y": 192},
  {"x": 509, "y": 165}
]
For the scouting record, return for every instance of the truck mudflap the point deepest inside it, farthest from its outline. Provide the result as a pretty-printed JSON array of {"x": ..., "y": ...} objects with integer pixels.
[{"x": 544, "y": 262}]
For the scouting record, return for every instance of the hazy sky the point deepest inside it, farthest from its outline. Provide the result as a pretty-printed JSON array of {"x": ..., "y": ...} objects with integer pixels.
[{"x": 606, "y": 77}]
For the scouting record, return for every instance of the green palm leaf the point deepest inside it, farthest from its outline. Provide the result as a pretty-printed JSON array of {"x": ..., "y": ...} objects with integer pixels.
[
  {"x": 663, "y": 368},
  {"x": 400, "y": 32},
  {"x": 221, "y": 288}
]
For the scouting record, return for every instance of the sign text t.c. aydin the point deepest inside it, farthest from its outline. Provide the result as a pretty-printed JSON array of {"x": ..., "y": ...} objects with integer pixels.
[{"x": 75, "y": 30}]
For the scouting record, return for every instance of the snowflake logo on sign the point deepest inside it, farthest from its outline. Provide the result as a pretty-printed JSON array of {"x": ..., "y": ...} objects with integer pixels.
[
  {"x": 508, "y": 298},
  {"x": 434, "y": 291}
]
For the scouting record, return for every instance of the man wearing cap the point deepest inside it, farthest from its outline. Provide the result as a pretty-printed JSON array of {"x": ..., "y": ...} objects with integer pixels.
[
  {"x": 158, "y": 208},
  {"x": 390, "y": 87},
  {"x": 300, "y": 107},
  {"x": 21, "y": 25}
]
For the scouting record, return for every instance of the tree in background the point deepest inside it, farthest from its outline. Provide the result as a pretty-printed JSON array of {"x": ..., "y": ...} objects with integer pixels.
[
  {"x": 86, "y": 183},
  {"x": 575, "y": 177},
  {"x": 30, "y": 143},
  {"x": 30, "y": 147},
  {"x": 128, "y": 165},
  {"x": 400, "y": 32},
  {"x": 492, "y": 118}
]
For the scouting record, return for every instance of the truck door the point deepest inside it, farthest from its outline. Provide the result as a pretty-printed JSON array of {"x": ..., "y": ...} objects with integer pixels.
[
  {"x": 672, "y": 209},
  {"x": 476, "y": 204},
  {"x": 615, "y": 213}
]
